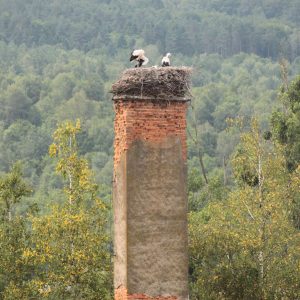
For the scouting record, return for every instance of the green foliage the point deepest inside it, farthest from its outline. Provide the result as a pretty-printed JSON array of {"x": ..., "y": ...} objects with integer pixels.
[
  {"x": 62, "y": 85},
  {"x": 70, "y": 254},
  {"x": 74, "y": 169},
  {"x": 62, "y": 254},
  {"x": 200, "y": 194},
  {"x": 186, "y": 27},
  {"x": 12, "y": 189},
  {"x": 14, "y": 238},
  {"x": 246, "y": 246},
  {"x": 286, "y": 130},
  {"x": 286, "y": 125},
  {"x": 68, "y": 247},
  {"x": 13, "y": 232}
]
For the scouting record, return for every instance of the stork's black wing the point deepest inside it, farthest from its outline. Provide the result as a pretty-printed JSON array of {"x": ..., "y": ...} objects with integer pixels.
[{"x": 133, "y": 57}]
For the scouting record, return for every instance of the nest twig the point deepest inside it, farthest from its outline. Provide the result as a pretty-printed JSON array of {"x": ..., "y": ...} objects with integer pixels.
[{"x": 154, "y": 82}]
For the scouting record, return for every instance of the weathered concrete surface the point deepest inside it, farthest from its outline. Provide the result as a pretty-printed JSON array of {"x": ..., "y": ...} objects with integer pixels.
[
  {"x": 153, "y": 253},
  {"x": 120, "y": 223}
]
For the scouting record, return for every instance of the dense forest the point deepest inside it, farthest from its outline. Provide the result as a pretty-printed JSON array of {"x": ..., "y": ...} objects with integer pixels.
[{"x": 58, "y": 60}]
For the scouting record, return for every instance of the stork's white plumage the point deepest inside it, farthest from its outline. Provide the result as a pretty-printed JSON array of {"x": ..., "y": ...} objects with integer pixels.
[
  {"x": 165, "y": 62},
  {"x": 138, "y": 52},
  {"x": 139, "y": 56}
]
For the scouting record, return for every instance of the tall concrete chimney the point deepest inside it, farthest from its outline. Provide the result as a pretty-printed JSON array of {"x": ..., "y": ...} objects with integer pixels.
[{"x": 149, "y": 192}]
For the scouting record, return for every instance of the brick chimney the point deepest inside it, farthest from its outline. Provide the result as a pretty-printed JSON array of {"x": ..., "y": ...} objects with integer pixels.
[{"x": 149, "y": 192}]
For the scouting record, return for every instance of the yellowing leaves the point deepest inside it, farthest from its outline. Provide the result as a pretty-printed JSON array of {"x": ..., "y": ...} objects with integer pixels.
[
  {"x": 53, "y": 150},
  {"x": 74, "y": 169},
  {"x": 28, "y": 253},
  {"x": 78, "y": 125},
  {"x": 247, "y": 242},
  {"x": 67, "y": 253}
]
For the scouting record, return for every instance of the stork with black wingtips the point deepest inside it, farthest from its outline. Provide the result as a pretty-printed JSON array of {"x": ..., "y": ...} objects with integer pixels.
[
  {"x": 165, "y": 62},
  {"x": 139, "y": 56}
]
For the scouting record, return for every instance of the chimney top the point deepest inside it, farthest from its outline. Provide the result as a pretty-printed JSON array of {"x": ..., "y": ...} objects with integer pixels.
[{"x": 154, "y": 83}]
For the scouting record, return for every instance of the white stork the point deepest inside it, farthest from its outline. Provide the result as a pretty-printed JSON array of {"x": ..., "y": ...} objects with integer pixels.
[
  {"x": 139, "y": 56},
  {"x": 165, "y": 62}
]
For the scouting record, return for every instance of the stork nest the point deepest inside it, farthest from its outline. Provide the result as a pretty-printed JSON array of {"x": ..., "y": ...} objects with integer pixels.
[{"x": 158, "y": 83}]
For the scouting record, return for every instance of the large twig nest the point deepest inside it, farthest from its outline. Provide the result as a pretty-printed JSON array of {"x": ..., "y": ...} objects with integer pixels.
[{"x": 158, "y": 83}]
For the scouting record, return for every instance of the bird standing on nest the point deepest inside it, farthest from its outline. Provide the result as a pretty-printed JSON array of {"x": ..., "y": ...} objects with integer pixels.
[
  {"x": 139, "y": 56},
  {"x": 165, "y": 62}
]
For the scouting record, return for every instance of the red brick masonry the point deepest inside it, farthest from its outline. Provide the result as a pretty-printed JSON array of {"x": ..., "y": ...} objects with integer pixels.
[
  {"x": 152, "y": 121},
  {"x": 121, "y": 294}
]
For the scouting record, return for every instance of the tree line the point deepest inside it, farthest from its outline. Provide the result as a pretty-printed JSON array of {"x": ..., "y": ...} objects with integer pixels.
[{"x": 266, "y": 28}]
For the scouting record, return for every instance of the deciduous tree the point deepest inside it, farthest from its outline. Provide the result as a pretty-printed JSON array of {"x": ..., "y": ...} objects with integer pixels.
[{"x": 246, "y": 246}]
